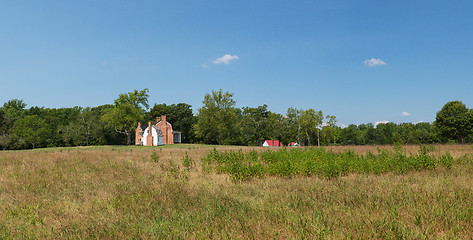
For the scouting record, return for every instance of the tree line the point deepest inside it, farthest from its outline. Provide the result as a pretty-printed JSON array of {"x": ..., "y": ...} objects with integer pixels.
[{"x": 218, "y": 121}]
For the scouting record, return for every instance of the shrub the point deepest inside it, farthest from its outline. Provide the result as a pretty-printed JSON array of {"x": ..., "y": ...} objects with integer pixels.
[
  {"x": 318, "y": 161},
  {"x": 154, "y": 157},
  {"x": 187, "y": 162}
]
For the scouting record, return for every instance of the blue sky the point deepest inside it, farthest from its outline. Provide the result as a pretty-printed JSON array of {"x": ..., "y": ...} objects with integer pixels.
[{"x": 362, "y": 61}]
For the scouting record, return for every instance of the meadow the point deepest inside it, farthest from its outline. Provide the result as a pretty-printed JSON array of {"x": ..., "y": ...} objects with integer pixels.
[{"x": 227, "y": 192}]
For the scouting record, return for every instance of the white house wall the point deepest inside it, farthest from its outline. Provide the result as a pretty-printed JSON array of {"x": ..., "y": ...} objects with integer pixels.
[
  {"x": 156, "y": 139},
  {"x": 155, "y": 136},
  {"x": 145, "y": 134}
]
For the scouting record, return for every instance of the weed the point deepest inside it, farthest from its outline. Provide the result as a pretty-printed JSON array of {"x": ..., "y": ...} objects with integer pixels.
[
  {"x": 154, "y": 157},
  {"x": 187, "y": 162},
  {"x": 318, "y": 161}
]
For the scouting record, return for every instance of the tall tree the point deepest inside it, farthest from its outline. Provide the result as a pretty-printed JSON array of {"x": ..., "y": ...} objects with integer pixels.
[
  {"x": 88, "y": 124},
  {"x": 294, "y": 124},
  {"x": 350, "y": 135},
  {"x": 216, "y": 120},
  {"x": 331, "y": 131},
  {"x": 278, "y": 128},
  {"x": 128, "y": 109},
  {"x": 454, "y": 121},
  {"x": 4, "y": 131},
  {"x": 32, "y": 129},
  {"x": 254, "y": 124},
  {"x": 311, "y": 121},
  {"x": 12, "y": 110}
]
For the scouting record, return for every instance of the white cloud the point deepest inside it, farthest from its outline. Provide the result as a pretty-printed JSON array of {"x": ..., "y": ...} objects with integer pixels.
[
  {"x": 373, "y": 62},
  {"x": 343, "y": 125},
  {"x": 421, "y": 121},
  {"x": 204, "y": 65},
  {"x": 378, "y": 122},
  {"x": 404, "y": 114},
  {"x": 225, "y": 59}
]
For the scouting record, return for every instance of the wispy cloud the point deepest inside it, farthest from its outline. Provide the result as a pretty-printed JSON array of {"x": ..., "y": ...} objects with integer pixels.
[
  {"x": 421, "y": 121},
  {"x": 225, "y": 59},
  {"x": 404, "y": 114},
  {"x": 378, "y": 122},
  {"x": 374, "y": 62}
]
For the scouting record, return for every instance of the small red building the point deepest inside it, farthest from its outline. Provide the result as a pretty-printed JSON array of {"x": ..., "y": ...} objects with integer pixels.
[{"x": 272, "y": 143}]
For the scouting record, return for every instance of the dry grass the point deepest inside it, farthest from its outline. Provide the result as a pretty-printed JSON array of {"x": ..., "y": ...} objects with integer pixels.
[
  {"x": 119, "y": 192},
  {"x": 456, "y": 150}
]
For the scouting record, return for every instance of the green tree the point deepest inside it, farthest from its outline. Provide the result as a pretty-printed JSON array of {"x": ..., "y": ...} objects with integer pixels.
[
  {"x": 4, "y": 131},
  {"x": 350, "y": 135},
  {"x": 386, "y": 131},
  {"x": 294, "y": 126},
  {"x": 217, "y": 119},
  {"x": 87, "y": 124},
  {"x": 278, "y": 128},
  {"x": 331, "y": 130},
  {"x": 127, "y": 111},
  {"x": 311, "y": 121},
  {"x": 32, "y": 129},
  {"x": 12, "y": 110},
  {"x": 454, "y": 121},
  {"x": 254, "y": 125},
  {"x": 80, "y": 131},
  {"x": 106, "y": 135}
]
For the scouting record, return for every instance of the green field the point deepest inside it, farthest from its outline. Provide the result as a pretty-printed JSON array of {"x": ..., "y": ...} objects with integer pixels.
[{"x": 117, "y": 192}]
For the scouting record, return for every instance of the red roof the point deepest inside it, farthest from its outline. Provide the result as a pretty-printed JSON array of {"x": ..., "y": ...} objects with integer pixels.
[{"x": 273, "y": 143}]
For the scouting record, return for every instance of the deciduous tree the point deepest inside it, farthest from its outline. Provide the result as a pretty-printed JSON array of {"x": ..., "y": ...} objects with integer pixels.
[
  {"x": 31, "y": 129},
  {"x": 216, "y": 120},
  {"x": 128, "y": 109},
  {"x": 311, "y": 121},
  {"x": 454, "y": 121}
]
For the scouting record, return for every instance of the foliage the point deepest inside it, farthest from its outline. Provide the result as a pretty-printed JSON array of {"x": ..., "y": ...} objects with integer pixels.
[
  {"x": 187, "y": 162},
  {"x": 127, "y": 111},
  {"x": 217, "y": 118},
  {"x": 454, "y": 121},
  {"x": 217, "y": 122},
  {"x": 154, "y": 157},
  {"x": 320, "y": 162},
  {"x": 311, "y": 122},
  {"x": 30, "y": 129},
  {"x": 254, "y": 125}
]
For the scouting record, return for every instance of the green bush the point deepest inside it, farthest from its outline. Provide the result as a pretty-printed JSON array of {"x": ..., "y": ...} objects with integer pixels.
[
  {"x": 187, "y": 162},
  {"x": 154, "y": 157},
  {"x": 317, "y": 161}
]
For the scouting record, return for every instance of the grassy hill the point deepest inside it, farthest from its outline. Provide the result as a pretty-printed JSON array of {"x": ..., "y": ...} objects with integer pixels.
[{"x": 162, "y": 192}]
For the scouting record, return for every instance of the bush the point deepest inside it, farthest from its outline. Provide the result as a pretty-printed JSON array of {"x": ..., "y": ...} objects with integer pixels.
[
  {"x": 187, "y": 162},
  {"x": 154, "y": 157},
  {"x": 318, "y": 161}
]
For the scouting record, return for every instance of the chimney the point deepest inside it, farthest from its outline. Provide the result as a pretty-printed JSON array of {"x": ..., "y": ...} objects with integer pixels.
[
  {"x": 149, "y": 127},
  {"x": 163, "y": 118},
  {"x": 139, "y": 124}
]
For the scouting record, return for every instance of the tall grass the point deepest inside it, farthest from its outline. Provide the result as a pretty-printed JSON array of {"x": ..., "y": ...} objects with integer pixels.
[
  {"x": 289, "y": 162},
  {"x": 121, "y": 194}
]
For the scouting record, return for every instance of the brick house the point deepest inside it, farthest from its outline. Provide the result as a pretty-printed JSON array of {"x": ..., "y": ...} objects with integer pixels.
[{"x": 157, "y": 134}]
